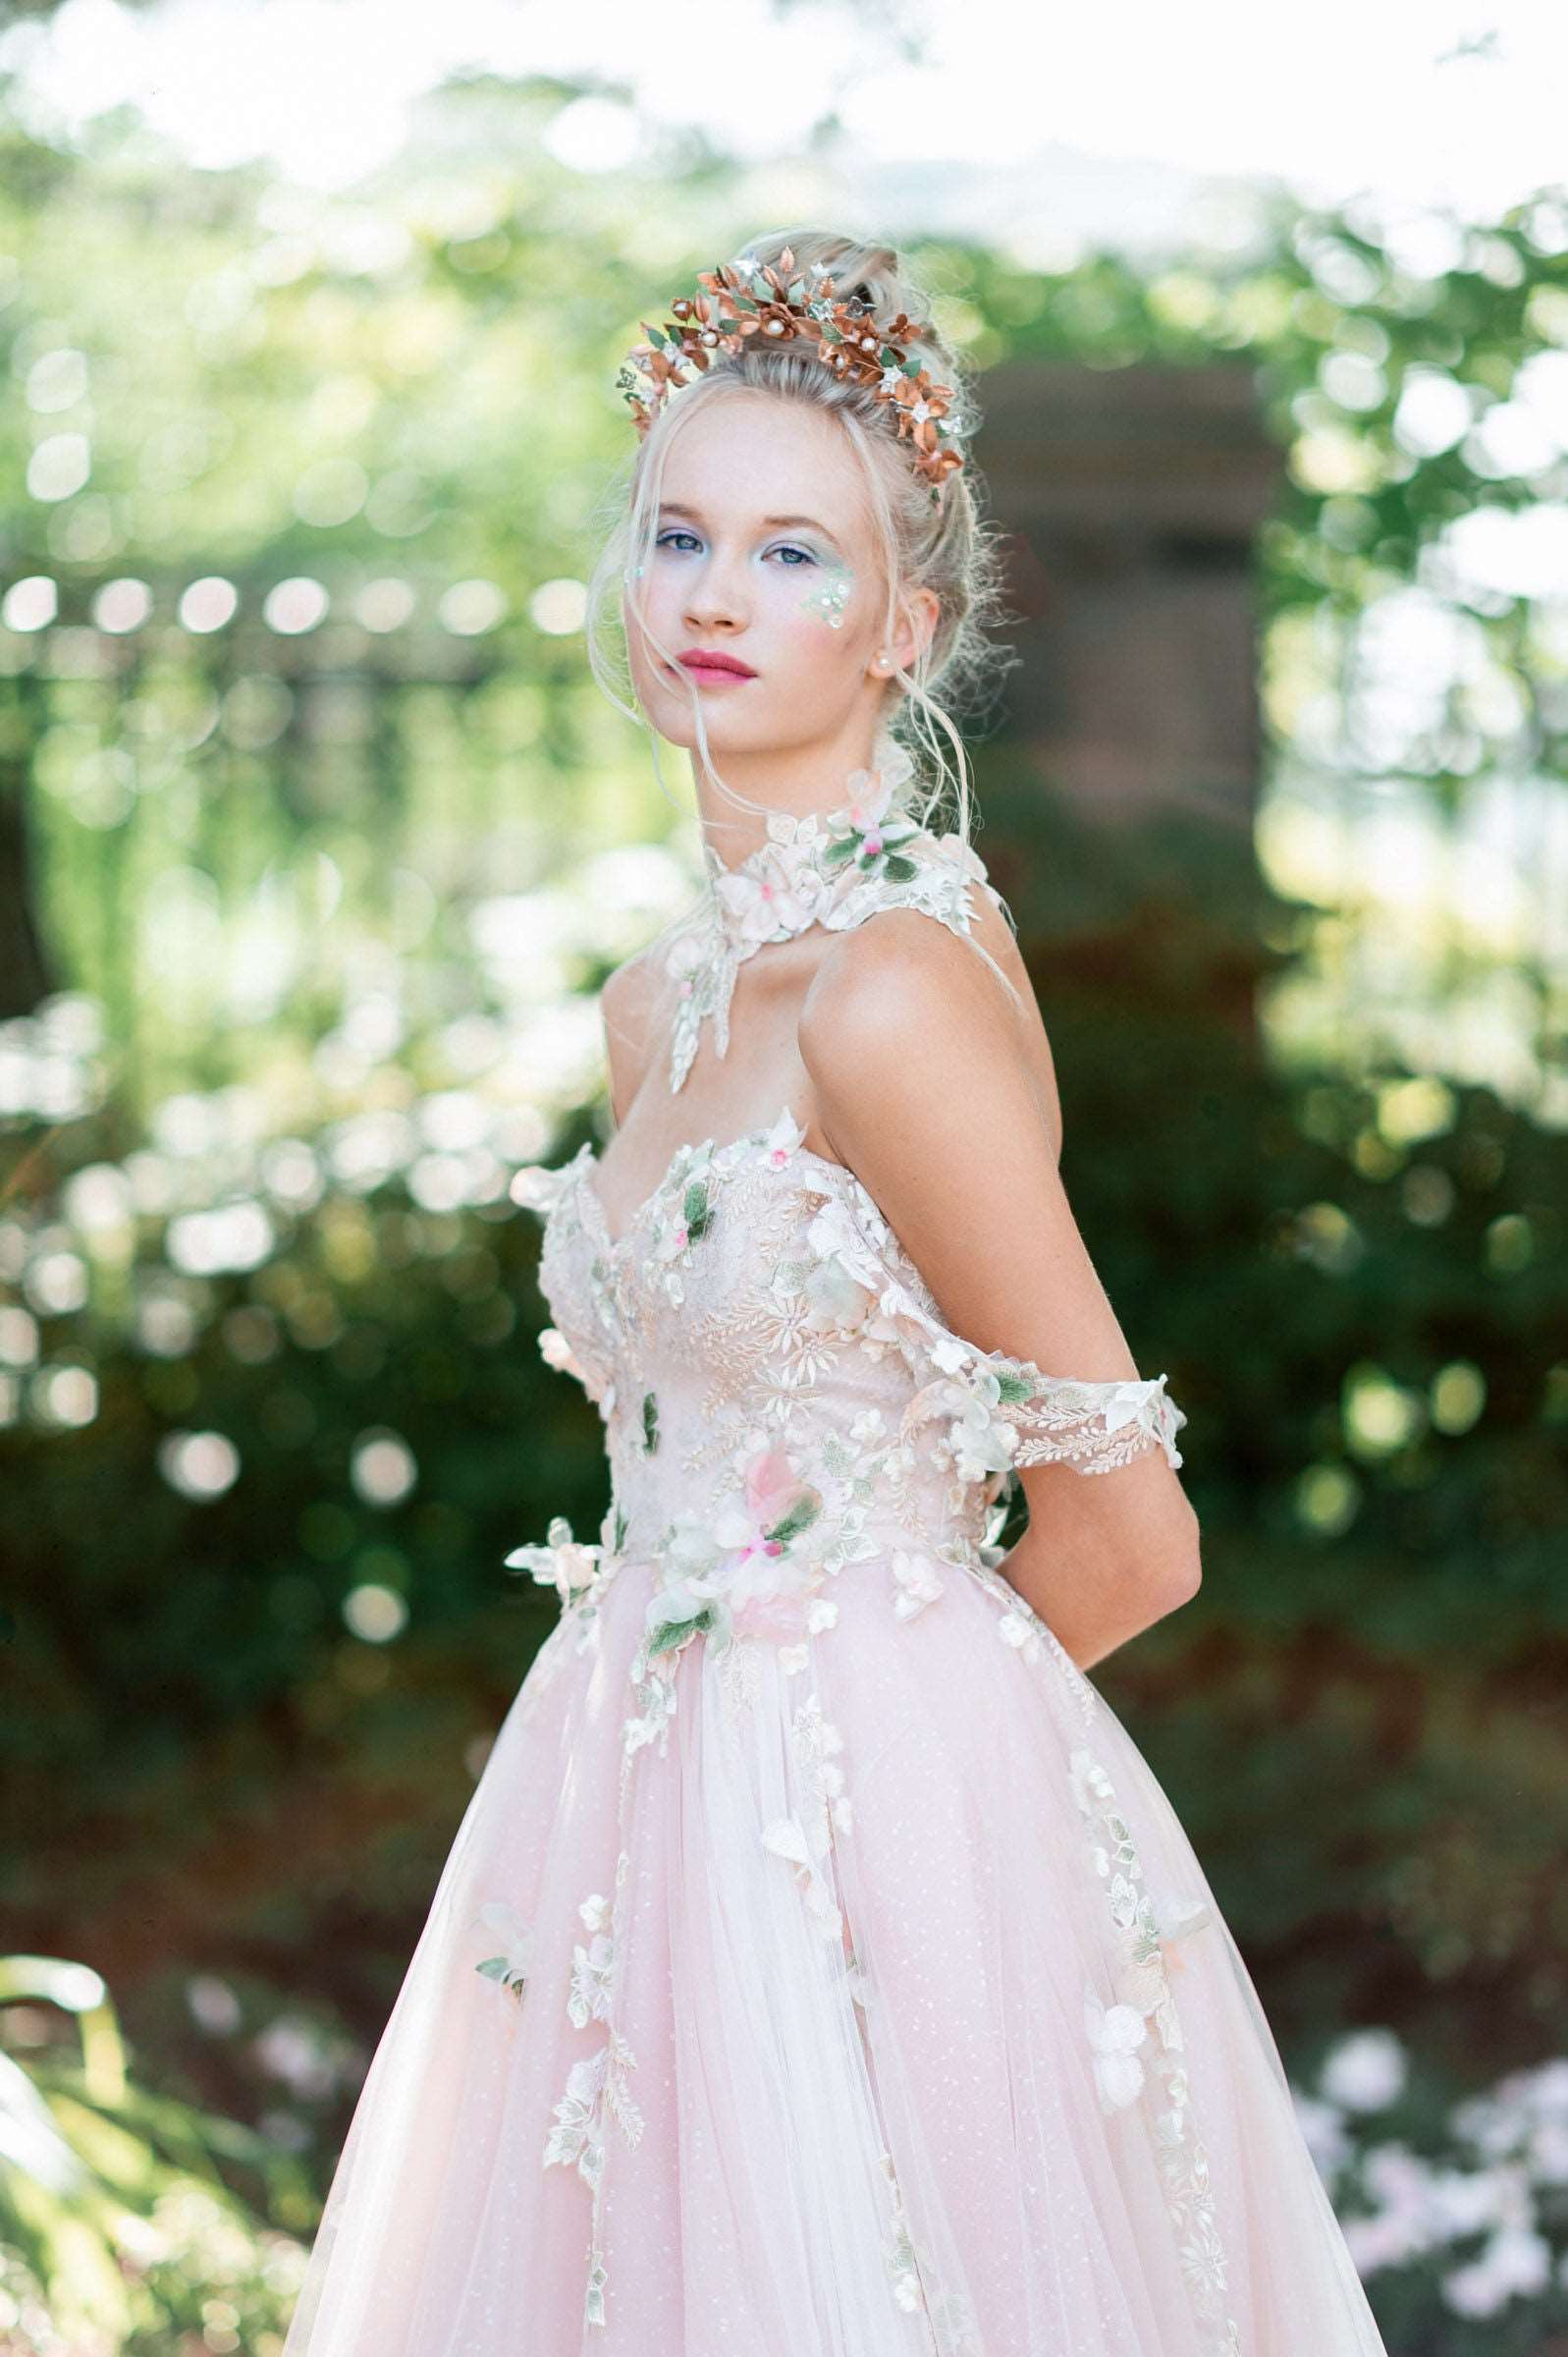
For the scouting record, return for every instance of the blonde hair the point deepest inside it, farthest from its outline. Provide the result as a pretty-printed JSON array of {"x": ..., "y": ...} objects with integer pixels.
[{"x": 943, "y": 547}]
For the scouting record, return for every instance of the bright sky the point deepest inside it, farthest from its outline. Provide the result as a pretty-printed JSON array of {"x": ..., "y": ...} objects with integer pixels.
[{"x": 1411, "y": 99}]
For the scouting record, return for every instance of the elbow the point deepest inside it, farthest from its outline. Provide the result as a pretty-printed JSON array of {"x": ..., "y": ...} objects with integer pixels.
[
  {"x": 1188, "y": 1579},
  {"x": 1158, "y": 1583},
  {"x": 1178, "y": 1575}
]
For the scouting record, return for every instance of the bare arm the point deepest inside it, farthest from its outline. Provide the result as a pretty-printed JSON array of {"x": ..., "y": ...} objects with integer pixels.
[{"x": 923, "y": 1087}]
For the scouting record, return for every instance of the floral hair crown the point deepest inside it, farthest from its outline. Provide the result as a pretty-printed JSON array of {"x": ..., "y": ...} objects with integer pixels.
[{"x": 745, "y": 300}]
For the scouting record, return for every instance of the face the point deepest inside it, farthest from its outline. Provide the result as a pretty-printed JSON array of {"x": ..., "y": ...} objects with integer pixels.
[{"x": 763, "y": 552}]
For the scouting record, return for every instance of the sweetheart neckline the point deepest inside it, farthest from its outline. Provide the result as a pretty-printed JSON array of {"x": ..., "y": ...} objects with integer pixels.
[{"x": 587, "y": 1161}]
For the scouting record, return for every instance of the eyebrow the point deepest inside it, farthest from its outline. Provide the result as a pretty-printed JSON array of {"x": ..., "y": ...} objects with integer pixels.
[{"x": 677, "y": 506}]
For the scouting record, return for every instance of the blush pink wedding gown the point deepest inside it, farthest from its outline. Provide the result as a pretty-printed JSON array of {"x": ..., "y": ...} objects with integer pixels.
[{"x": 819, "y": 1969}]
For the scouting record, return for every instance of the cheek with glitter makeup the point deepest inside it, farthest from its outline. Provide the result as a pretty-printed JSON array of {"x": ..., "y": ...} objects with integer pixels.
[{"x": 830, "y": 600}]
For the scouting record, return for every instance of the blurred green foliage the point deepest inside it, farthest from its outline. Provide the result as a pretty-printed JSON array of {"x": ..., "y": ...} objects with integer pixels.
[{"x": 129, "y": 2221}]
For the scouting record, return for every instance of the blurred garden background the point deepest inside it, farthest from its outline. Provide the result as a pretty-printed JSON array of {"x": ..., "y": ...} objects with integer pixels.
[{"x": 316, "y": 841}]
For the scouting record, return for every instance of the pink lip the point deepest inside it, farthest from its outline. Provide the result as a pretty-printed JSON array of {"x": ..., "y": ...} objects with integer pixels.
[{"x": 716, "y": 667}]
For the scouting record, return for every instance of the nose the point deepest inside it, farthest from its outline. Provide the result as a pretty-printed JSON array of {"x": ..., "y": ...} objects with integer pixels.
[{"x": 715, "y": 598}]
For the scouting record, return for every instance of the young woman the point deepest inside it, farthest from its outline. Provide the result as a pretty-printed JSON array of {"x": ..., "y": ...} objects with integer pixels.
[{"x": 819, "y": 1969}]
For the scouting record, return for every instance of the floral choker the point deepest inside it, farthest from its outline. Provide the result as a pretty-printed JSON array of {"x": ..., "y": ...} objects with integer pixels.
[{"x": 835, "y": 872}]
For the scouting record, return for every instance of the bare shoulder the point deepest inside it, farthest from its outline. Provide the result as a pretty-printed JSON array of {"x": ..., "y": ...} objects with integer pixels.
[{"x": 903, "y": 984}]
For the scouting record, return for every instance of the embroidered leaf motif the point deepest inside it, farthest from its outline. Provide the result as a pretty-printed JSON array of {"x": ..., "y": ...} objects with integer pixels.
[
  {"x": 674, "y": 1634},
  {"x": 697, "y": 1209},
  {"x": 497, "y": 1968},
  {"x": 650, "y": 1422},
  {"x": 798, "y": 1517},
  {"x": 898, "y": 869},
  {"x": 514, "y": 1961}
]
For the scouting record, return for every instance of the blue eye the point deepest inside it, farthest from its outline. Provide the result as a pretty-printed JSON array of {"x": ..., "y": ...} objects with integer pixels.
[{"x": 678, "y": 531}]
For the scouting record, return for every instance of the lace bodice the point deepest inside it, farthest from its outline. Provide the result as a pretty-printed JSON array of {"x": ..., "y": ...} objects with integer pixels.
[{"x": 780, "y": 1394}]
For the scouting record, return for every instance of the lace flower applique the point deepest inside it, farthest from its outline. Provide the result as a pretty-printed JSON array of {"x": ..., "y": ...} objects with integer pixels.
[{"x": 995, "y": 1412}]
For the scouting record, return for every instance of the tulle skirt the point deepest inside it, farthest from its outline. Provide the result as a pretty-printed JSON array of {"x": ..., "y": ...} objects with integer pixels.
[{"x": 870, "y": 2000}]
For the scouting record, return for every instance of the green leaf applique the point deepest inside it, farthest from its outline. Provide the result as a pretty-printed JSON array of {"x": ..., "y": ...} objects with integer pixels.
[{"x": 697, "y": 1210}]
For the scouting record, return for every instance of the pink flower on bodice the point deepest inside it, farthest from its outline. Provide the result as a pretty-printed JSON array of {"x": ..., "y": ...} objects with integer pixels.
[
  {"x": 765, "y": 1588},
  {"x": 735, "y": 1563},
  {"x": 772, "y": 1489}
]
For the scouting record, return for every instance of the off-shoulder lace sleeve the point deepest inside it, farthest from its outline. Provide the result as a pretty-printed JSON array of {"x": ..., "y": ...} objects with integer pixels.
[{"x": 1000, "y": 1412}]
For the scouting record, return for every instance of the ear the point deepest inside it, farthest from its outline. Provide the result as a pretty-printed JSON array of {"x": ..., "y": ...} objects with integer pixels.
[{"x": 918, "y": 618}]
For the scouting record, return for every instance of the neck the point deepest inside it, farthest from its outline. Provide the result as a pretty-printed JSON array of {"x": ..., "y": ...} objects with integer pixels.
[
  {"x": 780, "y": 782},
  {"x": 877, "y": 854}
]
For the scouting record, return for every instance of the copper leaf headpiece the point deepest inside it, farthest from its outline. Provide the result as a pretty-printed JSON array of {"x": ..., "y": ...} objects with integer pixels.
[{"x": 741, "y": 300}]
